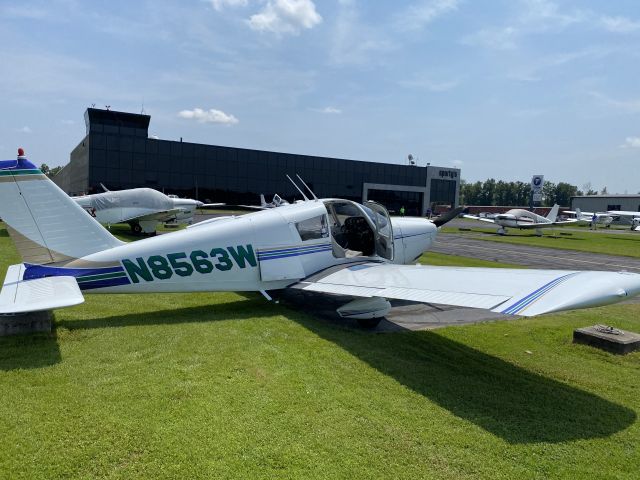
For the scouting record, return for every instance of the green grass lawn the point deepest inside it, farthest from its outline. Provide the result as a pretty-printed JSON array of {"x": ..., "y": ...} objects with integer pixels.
[
  {"x": 231, "y": 386},
  {"x": 612, "y": 244},
  {"x": 442, "y": 259}
]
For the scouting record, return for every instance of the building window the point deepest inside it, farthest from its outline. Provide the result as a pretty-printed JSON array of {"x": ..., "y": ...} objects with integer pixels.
[{"x": 313, "y": 228}]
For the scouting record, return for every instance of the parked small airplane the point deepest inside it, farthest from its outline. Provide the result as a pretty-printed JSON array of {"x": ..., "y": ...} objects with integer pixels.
[
  {"x": 141, "y": 208},
  {"x": 277, "y": 201},
  {"x": 634, "y": 217},
  {"x": 524, "y": 220},
  {"x": 330, "y": 246},
  {"x": 587, "y": 217}
]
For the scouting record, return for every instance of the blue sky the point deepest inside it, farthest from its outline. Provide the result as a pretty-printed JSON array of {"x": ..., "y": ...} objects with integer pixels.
[{"x": 502, "y": 89}]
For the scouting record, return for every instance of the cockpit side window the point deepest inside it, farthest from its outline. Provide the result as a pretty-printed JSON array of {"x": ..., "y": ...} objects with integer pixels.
[{"x": 313, "y": 228}]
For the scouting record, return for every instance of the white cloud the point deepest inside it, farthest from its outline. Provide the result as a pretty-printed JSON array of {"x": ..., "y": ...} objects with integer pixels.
[
  {"x": 329, "y": 110},
  {"x": 535, "y": 17},
  {"x": 430, "y": 85},
  {"x": 423, "y": 13},
  {"x": 457, "y": 163},
  {"x": 620, "y": 24},
  {"x": 355, "y": 43},
  {"x": 630, "y": 106},
  {"x": 24, "y": 129},
  {"x": 285, "y": 16},
  {"x": 220, "y": 4},
  {"x": 209, "y": 116},
  {"x": 493, "y": 38},
  {"x": 631, "y": 142},
  {"x": 25, "y": 12}
]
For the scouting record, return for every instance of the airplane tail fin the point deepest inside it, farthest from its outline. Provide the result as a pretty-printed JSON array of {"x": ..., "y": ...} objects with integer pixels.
[
  {"x": 45, "y": 224},
  {"x": 553, "y": 214},
  {"x": 263, "y": 202},
  {"x": 578, "y": 214}
]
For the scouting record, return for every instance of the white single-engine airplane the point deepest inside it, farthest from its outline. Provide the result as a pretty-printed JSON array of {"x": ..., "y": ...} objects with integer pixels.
[
  {"x": 331, "y": 246},
  {"x": 633, "y": 217},
  {"x": 141, "y": 208},
  {"x": 524, "y": 220},
  {"x": 587, "y": 217}
]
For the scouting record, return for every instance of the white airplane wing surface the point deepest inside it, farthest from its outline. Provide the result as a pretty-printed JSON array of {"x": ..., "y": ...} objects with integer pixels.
[
  {"x": 159, "y": 216},
  {"x": 514, "y": 292},
  {"x": 19, "y": 296},
  {"x": 482, "y": 219},
  {"x": 624, "y": 213},
  {"x": 526, "y": 225}
]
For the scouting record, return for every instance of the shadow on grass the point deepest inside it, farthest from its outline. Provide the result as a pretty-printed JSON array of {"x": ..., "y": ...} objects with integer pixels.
[
  {"x": 29, "y": 351},
  {"x": 511, "y": 402},
  {"x": 253, "y": 307}
]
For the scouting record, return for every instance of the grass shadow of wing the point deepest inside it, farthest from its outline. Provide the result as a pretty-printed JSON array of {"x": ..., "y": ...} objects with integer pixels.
[{"x": 504, "y": 399}]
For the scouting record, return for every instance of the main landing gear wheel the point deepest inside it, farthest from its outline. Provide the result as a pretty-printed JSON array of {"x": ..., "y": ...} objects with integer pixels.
[
  {"x": 136, "y": 228},
  {"x": 369, "y": 322}
]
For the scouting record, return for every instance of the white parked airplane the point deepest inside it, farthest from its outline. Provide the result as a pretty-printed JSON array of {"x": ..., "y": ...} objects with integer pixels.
[
  {"x": 331, "y": 246},
  {"x": 524, "y": 220},
  {"x": 587, "y": 217},
  {"x": 277, "y": 201},
  {"x": 141, "y": 208},
  {"x": 634, "y": 217}
]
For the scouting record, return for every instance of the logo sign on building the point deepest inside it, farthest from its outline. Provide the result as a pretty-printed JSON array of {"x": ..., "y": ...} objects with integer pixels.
[{"x": 537, "y": 182}]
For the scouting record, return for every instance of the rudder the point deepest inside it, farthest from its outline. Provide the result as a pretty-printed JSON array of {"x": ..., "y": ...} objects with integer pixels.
[{"x": 46, "y": 225}]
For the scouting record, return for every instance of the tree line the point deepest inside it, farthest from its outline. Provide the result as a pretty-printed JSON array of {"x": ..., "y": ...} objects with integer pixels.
[{"x": 492, "y": 192}]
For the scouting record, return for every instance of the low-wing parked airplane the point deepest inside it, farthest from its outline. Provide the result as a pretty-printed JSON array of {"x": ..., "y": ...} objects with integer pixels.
[
  {"x": 587, "y": 217},
  {"x": 141, "y": 208},
  {"x": 277, "y": 201},
  {"x": 331, "y": 246},
  {"x": 524, "y": 220}
]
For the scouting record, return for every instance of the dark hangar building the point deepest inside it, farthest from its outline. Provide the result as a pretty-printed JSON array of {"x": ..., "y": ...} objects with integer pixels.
[{"x": 118, "y": 152}]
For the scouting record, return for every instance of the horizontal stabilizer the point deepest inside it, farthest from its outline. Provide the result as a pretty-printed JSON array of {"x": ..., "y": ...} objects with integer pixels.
[{"x": 22, "y": 296}]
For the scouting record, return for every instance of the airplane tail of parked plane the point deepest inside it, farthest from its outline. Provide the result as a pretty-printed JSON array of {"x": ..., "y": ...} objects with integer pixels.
[
  {"x": 263, "y": 201},
  {"x": 553, "y": 214},
  {"x": 46, "y": 225}
]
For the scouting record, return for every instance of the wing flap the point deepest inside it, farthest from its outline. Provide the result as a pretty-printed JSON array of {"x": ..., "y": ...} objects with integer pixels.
[
  {"x": 508, "y": 291},
  {"x": 21, "y": 296}
]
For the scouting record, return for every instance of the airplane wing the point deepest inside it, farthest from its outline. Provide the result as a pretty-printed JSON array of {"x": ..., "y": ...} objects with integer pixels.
[
  {"x": 623, "y": 213},
  {"x": 211, "y": 205},
  {"x": 482, "y": 219},
  {"x": 546, "y": 225},
  {"x": 160, "y": 216},
  {"x": 514, "y": 292}
]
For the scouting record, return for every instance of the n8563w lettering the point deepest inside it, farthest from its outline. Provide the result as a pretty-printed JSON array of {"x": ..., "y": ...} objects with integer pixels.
[{"x": 163, "y": 267}]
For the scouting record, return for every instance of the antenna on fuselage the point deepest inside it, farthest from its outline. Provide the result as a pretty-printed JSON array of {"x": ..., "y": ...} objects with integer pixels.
[
  {"x": 307, "y": 187},
  {"x": 298, "y": 188}
]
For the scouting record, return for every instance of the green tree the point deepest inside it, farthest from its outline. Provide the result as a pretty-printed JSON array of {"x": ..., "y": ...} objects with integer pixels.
[
  {"x": 44, "y": 168},
  {"x": 549, "y": 193},
  {"x": 564, "y": 192}
]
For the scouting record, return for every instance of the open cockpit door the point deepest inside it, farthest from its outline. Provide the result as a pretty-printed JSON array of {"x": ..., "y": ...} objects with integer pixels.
[
  {"x": 359, "y": 231},
  {"x": 384, "y": 231}
]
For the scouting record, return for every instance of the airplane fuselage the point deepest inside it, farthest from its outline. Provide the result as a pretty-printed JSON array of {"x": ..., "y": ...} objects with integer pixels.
[{"x": 263, "y": 250}]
